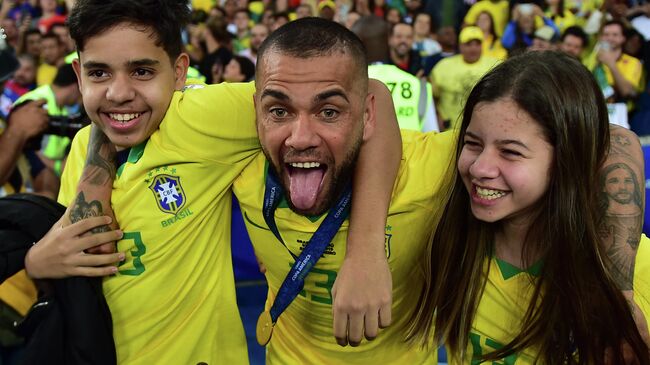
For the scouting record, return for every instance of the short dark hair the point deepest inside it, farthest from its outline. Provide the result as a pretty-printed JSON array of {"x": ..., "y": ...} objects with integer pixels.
[
  {"x": 165, "y": 19},
  {"x": 614, "y": 22},
  {"x": 576, "y": 31},
  {"x": 281, "y": 14},
  {"x": 392, "y": 28},
  {"x": 65, "y": 76},
  {"x": 246, "y": 66},
  {"x": 51, "y": 35},
  {"x": 242, "y": 10},
  {"x": 315, "y": 37},
  {"x": 56, "y": 25},
  {"x": 432, "y": 26},
  {"x": 218, "y": 28}
]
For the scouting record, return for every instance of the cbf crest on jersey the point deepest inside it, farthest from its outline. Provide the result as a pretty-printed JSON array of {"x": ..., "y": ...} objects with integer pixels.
[{"x": 168, "y": 192}]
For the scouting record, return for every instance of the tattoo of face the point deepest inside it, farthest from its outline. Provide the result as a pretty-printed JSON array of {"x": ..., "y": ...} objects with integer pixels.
[
  {"x": 621, "y": 201},
  {"x": 81, "y": 209}
]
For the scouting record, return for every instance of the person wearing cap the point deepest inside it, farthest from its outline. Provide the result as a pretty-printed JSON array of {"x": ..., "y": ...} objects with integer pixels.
[
  {"x": 544, "y": 39},
  {"x": 412, "y": 96},
  {"x": 454, "y": 76},
  {"x": 61, "y": 100}
]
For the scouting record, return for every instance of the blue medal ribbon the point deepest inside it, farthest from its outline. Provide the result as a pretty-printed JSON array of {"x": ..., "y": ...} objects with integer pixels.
[{"x": 295, "y": 279}]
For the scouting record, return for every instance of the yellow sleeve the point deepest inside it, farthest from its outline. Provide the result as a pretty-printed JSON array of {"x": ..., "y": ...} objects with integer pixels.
[
  {"x": 634, "y": 73},
  {"x": 74, "y": 167},
  {"x": 215, "y": 122},
  {"x": 642, "y": 277}
]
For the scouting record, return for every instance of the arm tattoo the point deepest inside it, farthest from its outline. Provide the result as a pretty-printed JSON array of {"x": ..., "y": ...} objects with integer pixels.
[
  {"x": 100, "y": 162},
  {"x": 81, "y": 209},
  {"x": 621, "y": 200}
]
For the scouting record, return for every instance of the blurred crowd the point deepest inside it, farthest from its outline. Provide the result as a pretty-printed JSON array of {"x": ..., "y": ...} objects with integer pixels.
[{"x": 428, "y": 52}]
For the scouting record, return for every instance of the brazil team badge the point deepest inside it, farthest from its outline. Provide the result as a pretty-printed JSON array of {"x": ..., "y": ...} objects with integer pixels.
[{"x": 168, "y": 192}]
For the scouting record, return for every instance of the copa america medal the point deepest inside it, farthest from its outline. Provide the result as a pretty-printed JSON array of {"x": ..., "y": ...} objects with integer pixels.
[{"x": 264, "y": 328}]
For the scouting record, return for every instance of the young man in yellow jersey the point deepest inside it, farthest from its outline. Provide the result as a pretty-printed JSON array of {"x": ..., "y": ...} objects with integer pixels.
[
  {"x": 172, "y": 293},
  {"x": 313, "y": 113}
]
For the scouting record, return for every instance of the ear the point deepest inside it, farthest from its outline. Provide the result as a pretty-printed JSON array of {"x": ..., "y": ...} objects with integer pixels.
[
  {"x": 76, "y": 66},
  {"x": 369, "y": 117},
  {"x": 180, "y": 70}
]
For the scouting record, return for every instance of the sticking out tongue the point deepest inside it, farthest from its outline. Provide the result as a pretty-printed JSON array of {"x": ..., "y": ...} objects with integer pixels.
[{"x": 304, "y": 185}]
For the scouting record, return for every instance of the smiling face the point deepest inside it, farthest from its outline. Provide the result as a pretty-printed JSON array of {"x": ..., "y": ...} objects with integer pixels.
[
  {"x": 619, "y": 185},
  {"x": 613, "y": 34},
  {"x": 127, "y": 85},
  {"x": 311, "y": 115},
  {"x": 505, "y": 162},
  {"x": 401, "y": 39}
]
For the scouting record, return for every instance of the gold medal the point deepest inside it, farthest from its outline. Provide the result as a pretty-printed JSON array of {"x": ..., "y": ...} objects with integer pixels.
[{"x": 264, "y": 328}]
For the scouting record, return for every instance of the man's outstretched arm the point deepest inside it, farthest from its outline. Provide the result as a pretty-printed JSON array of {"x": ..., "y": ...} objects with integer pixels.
[{"x": 362, "y": 292}]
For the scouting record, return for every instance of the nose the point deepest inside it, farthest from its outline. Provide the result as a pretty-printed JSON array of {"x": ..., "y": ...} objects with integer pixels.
[
  {"x": 120, "y": 90},
  {"x": 303, "y": 134},
  {"x": 485, "y": 166}
]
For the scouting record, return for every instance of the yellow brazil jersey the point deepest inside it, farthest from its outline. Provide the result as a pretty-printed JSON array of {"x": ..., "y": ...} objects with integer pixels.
[
  {"x": 631, "y": 68},
  {"x": 493, "y": 48},
  {"x": 173, "y": 299},
  {"x": 45, "y": 74},
  {"x": 303, "y": 333},
  {"x": 506, "y": 297},
  {"x": 452, "y": 79},
  {"x": 562, "y": 21}
]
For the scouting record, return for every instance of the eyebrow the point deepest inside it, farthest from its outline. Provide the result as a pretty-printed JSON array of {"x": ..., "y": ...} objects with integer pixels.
[
  {"x": 501, "y": 141},
  {"x": 328, "y": 94},
  {"x": 129, "y": 64},
  {"x": 93, "y": 64},
  {"x": 143, "y": 62},
  {"x": 274, "y": 94}
]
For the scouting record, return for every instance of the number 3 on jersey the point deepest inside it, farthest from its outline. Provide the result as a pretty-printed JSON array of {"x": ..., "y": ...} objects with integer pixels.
[{"x": 318, "y": 285}]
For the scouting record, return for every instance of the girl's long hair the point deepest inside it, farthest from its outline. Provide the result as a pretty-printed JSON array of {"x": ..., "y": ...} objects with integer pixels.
[{"x": 575, "y": 306}]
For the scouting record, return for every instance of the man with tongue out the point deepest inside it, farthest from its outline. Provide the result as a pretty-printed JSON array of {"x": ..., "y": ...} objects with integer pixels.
[{"x": 314, "y": 112}]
